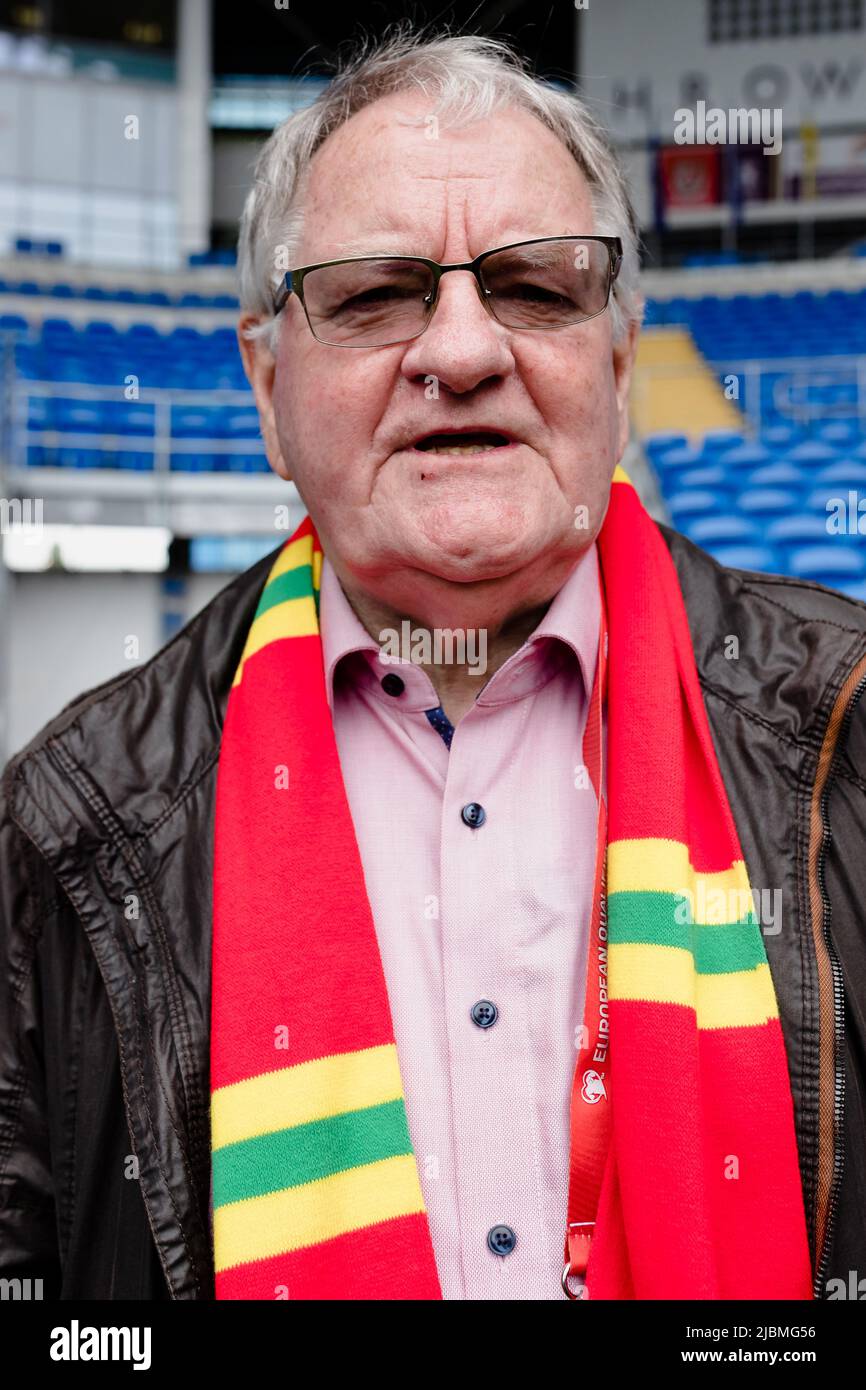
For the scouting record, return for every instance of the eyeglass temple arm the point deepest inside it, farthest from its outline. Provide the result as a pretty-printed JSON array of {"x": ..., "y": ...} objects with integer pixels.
[{"x": 283, "y": 292}]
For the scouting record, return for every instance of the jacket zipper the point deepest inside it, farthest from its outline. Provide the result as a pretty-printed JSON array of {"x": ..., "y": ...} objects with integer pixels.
[{"x": 838, "y": 1008}]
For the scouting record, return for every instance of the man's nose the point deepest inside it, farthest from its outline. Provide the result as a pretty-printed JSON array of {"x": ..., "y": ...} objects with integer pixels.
[{"x": 462, "y": 345}]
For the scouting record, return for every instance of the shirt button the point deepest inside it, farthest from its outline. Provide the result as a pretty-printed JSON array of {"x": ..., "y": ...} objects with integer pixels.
[
  {"x": 393, "y": 684},
  {"x": 484, "y": 1013},
  {"x": 473, "y": 815},
  {"x": 501, "y": 1240}
]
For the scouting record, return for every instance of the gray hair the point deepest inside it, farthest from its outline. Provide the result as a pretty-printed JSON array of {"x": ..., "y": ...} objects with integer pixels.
[{"x": 473, "y": 76}]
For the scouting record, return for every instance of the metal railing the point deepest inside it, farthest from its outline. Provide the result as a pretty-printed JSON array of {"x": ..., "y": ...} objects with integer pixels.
[
  {"x": 796, "y": 388},
  {"x": 161, "y": 441},
  {"x": 796, "y": 383}
]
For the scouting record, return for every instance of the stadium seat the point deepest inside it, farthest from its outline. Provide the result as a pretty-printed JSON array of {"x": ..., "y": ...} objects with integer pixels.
[
  {"x": 710, "y": 477},
  {"x": 794, "y": 532},
  {"x": 847, "y": 473},
  {"x": 663, "y": 443},
  {"x": 748, "y": 557},
  {"x": 711, "y": 531},
  {"x": 768, "y": 502},
  {"x": 717, "y": 443},
  {"x": 701, "y": 503},
  {"x": 812, "y": 451},
  {"x": 825, "y": 564},
  {"x": 771, "y": 475}
]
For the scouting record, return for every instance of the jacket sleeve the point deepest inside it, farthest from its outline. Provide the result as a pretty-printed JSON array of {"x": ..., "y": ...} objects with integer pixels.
[{"x": 28, "y": 1226}]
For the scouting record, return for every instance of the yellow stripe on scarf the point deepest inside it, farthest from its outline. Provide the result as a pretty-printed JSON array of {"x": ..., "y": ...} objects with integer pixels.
[
  {"x": 259, "y": 1227},
  {"x": 295, "y": 617},
  {"x": 667, "y": 975},
  {"x": 293, "y": 556},
  {"x": 663, "y": 866},
  {"x": 308, "y": 1091}
]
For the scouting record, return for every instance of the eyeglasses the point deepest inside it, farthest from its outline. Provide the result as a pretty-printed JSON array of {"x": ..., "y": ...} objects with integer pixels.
[{"x": 374, "y": 301}]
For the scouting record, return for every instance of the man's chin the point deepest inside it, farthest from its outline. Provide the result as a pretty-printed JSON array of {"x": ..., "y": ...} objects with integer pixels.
[{"x": 474, "y": 563}]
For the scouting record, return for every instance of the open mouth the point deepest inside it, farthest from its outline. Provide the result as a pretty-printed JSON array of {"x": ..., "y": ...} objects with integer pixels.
[{"x": 480, "y": 442}]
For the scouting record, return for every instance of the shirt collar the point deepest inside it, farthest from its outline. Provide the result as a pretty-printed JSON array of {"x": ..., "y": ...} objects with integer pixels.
[{"x": 570, "y": 625}]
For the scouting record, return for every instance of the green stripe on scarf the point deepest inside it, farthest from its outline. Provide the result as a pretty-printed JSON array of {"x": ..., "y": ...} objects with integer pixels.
[{"x": 291, "y": 1157}]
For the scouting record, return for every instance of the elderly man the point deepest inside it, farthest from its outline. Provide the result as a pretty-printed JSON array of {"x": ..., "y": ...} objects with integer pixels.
[{"x": 465, "y": 904}]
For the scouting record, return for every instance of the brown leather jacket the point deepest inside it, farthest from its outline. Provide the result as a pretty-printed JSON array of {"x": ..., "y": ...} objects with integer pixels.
[{"x": 106, "y": 824}]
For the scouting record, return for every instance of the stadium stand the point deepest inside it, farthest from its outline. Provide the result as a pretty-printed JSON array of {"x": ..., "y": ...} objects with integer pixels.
[{"x": 778, "y": 492}]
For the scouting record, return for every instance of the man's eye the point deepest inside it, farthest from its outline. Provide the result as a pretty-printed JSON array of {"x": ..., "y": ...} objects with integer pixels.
[
  {"x": 373, "y": 298},
  {"x": 527, "y": 291}
]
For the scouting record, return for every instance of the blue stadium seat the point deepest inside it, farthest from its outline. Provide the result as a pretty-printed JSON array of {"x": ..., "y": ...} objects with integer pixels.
[
  {"x": 780, "y": 437},
  {"x": 709, "y": 531},
  {"x": 664, "y": 442},
  {"x": 130, "y": 418},
  {"x": 845, "y": 473},
  {"x": 101, "y": 328},
  {"x": 80, "y": 416},
  {"x": 713, "y": 477},
  {"x": 794, "y": 532},
  {"x": 241, "y": 424},
  {"x": 747, "y": 455},
  {"x": 812, "y": 451},
  {"x": 748, "y": 557},
  {"x": 684, "y": 504},
  {"x": 134, "y": 460},
  {"x": 54, "y": 327},
  {"x": 824, "y": 500},
  {"x": 824, "y": 564},
  {"x": 67, "y": 457},
  {"x": 194, "y": 422},
  {"x": 840, "y": 432},
  {"x": 768, "y": 502},
  {"x": 140, "y": 331},
  {"x": 771, "y": 475},
  {"x": 678, "y": 459},
  {"x": 718, "y": 443}
]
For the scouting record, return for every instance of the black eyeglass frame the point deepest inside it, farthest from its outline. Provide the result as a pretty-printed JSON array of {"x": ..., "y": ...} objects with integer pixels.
[{"x": 293, "y": 283}]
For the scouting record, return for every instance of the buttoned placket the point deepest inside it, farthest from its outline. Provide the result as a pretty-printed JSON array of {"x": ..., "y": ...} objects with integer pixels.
[{"x": 503, "y": 1221}]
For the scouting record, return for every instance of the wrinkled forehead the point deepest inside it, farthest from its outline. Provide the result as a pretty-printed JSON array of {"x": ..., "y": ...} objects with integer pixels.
[{"x": 393, "y": 178}]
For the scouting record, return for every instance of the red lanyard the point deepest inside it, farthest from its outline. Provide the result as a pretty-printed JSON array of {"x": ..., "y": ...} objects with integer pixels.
[{"x": 590, "y": 1090}]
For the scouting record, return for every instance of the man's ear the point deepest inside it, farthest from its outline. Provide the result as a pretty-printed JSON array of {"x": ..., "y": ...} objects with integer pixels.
[
  {"x": 260, "y": 367},
  {"x": 623, "y": 363}
]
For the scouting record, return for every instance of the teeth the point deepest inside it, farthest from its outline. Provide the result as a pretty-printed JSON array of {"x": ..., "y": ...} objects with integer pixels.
[{"x": 461, "y": 449}]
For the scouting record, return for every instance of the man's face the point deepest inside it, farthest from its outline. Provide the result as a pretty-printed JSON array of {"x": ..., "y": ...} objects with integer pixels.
[{"x": 398, "y": 524}]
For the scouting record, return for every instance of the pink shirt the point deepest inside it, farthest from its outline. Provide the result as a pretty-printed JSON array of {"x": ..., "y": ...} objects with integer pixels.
[{"x": 497, "y": 913}]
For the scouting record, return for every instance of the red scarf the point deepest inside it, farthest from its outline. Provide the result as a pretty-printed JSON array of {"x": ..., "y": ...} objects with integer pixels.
[{"x": 315, "y": 1184}]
